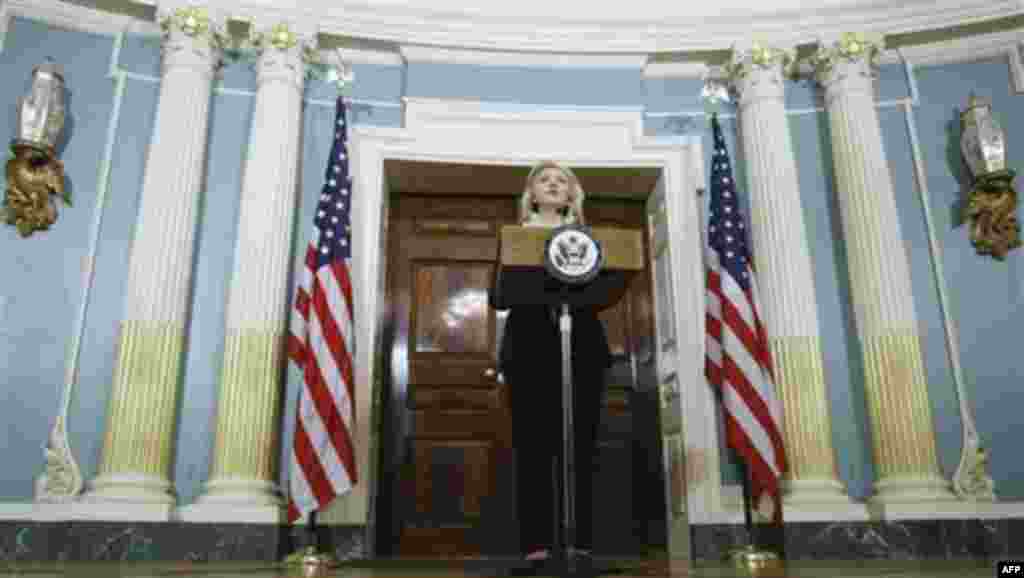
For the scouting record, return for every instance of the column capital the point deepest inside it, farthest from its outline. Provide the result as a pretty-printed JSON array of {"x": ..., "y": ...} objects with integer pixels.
[
  {"x": 284, "y": 50},
  {"x": 756, "y": 71},
  {"x": 193, "y": 37},
  {"x": 851, "y": 55}
]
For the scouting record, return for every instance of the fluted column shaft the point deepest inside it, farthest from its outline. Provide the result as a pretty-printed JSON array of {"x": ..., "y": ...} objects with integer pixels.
[
  {"x": 903, "y": 436},
  {"x": 136, "y": 455},
  {"x": 783, "y": 262},
  {"x": 247, "y": 440}
]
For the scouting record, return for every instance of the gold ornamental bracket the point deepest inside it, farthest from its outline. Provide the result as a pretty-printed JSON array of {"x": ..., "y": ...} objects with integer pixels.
[
  {"x": 992, "y": 213},
  {"x": 35, "y": 175}
]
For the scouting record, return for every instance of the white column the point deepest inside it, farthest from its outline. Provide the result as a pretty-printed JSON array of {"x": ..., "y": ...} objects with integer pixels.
[
  {"x": 243, "y": 478},
  {"x": 902, "y": 432},
  {"x": 787, "y": 293},
  {"x": 136, "y": 458}
]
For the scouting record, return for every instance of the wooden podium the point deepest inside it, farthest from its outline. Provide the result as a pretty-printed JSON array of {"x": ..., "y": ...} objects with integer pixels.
[
  {"x": 524, "y": 277},
  {"x": 521, "y": 278}
]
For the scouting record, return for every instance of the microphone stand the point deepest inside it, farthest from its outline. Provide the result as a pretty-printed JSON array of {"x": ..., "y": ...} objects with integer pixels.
[{"x": 565, "y": 560}]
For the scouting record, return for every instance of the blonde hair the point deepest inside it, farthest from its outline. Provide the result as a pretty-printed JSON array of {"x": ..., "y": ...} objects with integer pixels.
[{"x": 574, "y": 213}]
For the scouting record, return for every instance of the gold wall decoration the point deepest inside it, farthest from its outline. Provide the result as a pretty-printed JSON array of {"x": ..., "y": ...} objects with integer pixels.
[
  {"x": 992, "y": 214},
  {"x": 35, "y": 174},
  {"x": 991, "y": 208},
  {"x": 33, "y": 177}
]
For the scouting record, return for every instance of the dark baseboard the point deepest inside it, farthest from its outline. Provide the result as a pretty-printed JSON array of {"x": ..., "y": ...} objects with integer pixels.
[
  {"x": 897, "y": 540},
  {"x": 27, "y": 541}
]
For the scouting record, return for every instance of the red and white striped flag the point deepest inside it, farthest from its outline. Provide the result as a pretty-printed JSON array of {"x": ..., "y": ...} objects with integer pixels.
[
  {"x": 738, "y": 359},
  {"x": 321, "y": 344}
]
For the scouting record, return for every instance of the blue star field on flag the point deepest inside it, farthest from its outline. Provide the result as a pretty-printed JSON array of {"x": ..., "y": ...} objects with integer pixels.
[
  {"x": 333, "y": 213},
  {"x": 726, "y": 232}
]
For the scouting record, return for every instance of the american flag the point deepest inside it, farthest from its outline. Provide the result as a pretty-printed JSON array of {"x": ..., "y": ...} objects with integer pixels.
[
  {"x": 738, "y": 360},
  {"x": 321, "y": 344}
]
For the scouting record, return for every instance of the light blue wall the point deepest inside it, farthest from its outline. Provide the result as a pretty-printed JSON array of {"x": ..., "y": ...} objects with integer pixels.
[
  {"x": 986, "y": 297},
  {"x": 42, "y": 281},
  {"x": 42, "y": 276}
]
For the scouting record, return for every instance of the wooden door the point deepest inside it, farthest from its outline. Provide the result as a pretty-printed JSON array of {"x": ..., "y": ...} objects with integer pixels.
[
  {"x": 453, "y": 430},
  {"x": 448, "y": 480}
]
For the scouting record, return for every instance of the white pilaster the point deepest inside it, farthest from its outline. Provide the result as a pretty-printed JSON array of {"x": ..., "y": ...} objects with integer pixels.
[
  {"x": 243, "y": 474},
  {"x": 786, "y": 282},
  {"x": 136, "y": 458},
  {"x": 903, "y": 438}
]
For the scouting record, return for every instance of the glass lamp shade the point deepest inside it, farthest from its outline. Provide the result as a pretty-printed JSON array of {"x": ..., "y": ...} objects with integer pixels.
[
  {"x": 983, "y": 141},
  {"x": 41, "y": 111}
]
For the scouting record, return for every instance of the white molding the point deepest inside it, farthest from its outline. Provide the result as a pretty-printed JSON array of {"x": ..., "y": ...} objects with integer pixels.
[
  {"x": 958, "y": 510},
  {"x": 706, "y": 27},
  {"x": 108, "y": 511},
  {"x": 416, "y": 106},
  {"x": 234, "y": 513},
  {"x": 363, "y": 56},
  {"x": 961, "y": 50},
  {"x": 413, "y": 53},
  {"x": 732, "y": 511},
  {"x": 5, "y": 22},
  {"x": 502, "y": 41},
  {"x": 567, "y": 42},
  {"x": 74, "y": 17},
  {"x": 676, "y": 70},
  {"x": 17, "y": 510},
  {"x": 967, "y": 49}
]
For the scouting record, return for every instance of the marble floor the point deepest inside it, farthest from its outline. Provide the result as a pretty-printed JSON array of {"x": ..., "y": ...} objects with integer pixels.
[{"x": 480, "y": 569}]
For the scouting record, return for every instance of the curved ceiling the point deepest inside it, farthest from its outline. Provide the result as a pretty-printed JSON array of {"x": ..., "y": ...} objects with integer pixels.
[{"x": 631, "y": 27}]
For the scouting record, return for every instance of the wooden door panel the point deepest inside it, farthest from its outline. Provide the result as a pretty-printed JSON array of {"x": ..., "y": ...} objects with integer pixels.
[
  {"x": 450, "y": 310},
  {"x": 454, "y": 425},
  {"x": 442, "y": 249},
  {"x": 453, "y": 479},
  {"x": 441, "y": 370},
  {"x": 444, "y": 398}
]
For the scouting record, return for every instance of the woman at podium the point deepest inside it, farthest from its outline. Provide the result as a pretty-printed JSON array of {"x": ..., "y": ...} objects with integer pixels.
[{"x": 531, "y": 362}]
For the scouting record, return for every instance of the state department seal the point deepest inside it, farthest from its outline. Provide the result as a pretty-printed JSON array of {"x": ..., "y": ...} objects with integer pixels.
[{"x": 572, "y": 255}]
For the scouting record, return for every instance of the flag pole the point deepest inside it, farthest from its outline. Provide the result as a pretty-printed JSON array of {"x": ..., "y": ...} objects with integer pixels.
[
  {"x": 753, "y": 558},
  {"x": 314, "y": 560}
]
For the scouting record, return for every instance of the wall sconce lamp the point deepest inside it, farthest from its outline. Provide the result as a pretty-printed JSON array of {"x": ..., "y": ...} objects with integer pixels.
[
  {"x": 992, "y": 205},
  {"x": 35, "y": 173}
]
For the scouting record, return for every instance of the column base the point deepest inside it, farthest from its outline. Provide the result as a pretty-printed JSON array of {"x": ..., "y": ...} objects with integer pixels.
[
  {"x": 130, "y": 488},
  {"x": 232, "y": 513},
  {"x": 918, "y": 490},
  {"x": 824, "y": 492},
  {"x": 241, "y": 491},
  {"x": 105, "y": 511},
  {"x": 238, "y": 500}
]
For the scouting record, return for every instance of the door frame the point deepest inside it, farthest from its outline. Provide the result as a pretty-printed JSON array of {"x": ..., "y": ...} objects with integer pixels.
[{"x": 471, "y": 132}]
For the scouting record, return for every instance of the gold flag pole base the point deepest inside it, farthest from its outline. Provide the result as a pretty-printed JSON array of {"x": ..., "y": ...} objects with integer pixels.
[
  {"x": 756, "y": 562},
  {"x": 312, "y": 562}
]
